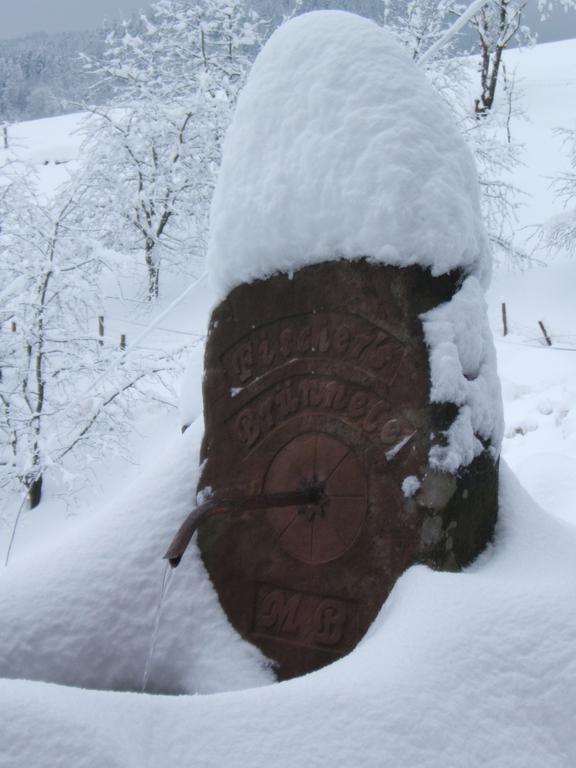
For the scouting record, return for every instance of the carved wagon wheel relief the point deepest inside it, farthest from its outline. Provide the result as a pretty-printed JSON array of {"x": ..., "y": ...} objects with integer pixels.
[{"x": 318, "y": 533}]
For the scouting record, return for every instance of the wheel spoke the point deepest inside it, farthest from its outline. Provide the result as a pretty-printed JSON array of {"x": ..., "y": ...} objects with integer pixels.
[
  {"x": 312, "y": 537},
  {"x": 315, "y": 460},
  {"x": 292, "y": 521},
  {"x": 338, "y": 465}
]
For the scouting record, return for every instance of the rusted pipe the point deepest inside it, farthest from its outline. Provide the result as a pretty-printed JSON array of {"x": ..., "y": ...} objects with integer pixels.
[{"x": 313, "y": 495}]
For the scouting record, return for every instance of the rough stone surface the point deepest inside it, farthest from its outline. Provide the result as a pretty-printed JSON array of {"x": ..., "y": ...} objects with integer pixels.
[{"x": 323, "y": 376}]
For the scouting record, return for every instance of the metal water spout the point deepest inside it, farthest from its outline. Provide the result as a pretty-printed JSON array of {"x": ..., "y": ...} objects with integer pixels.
[{"x": 312, "y": 500}]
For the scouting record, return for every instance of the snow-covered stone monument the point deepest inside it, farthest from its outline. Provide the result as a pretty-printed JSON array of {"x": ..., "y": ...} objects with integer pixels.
[{"x": 352, "y": 408}]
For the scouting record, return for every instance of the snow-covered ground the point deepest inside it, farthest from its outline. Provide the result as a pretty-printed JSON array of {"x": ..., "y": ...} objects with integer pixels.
[
  {"x": 474, "y": 669},
  {"x": 539, "y": 383}
]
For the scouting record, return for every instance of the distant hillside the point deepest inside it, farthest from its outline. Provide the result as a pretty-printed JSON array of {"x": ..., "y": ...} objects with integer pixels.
[{"x": 42, "y": 75}]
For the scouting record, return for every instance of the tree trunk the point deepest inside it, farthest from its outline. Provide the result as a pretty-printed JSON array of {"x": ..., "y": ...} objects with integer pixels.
[
  {"x": 153, "y": 273},
  {"x": 35, "y": 491}
]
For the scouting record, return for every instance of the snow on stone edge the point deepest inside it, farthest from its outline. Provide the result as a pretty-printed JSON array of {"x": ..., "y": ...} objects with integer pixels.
[
  {"x": 463, "y": 371},
  {"x": 340, "y": 148}
]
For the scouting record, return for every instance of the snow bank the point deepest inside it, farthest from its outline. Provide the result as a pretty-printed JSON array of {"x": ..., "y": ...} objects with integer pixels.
[
  {"x": 474, "y": 669},
  {"x": 340, "y": 148},
  {"x": 190, "y": 403},
  {"x": 83, "y": 612},
  {"x": 49, "y": 147}
]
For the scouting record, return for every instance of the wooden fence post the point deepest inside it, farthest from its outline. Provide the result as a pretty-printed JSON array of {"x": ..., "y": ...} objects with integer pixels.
[
  {"x": 545, "y": 333},
  {"x": 504, "y": 320}
]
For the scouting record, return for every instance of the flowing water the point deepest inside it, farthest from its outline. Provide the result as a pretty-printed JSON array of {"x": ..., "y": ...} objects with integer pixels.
[{"x": 166, "y": 581}]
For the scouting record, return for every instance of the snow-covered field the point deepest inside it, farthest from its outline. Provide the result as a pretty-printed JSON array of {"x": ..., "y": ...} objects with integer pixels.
[
  {"x": 474, "y": 669},
  {"x": 539, "y": 382}
]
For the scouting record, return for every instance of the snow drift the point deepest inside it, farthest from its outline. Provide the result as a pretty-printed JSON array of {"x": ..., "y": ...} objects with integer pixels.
[
  {"x": 83, "y": 613},
  {"x": 472, "y": 669}
]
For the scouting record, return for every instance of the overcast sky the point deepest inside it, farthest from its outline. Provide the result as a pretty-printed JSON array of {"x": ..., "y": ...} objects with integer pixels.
[{"x": 23, "y": 17}]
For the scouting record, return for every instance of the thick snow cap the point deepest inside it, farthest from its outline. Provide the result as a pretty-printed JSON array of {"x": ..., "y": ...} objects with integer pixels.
[{"x": 340, "y": 148}]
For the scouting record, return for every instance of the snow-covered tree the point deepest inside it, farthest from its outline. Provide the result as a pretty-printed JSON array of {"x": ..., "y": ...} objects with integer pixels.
[
  {"x": 179, "y": 48},
  {"x": 151, "y": 158},
  {"x": 560, "y": 233},
  {"x": 46, "y": 281},
  {"x": 49, "y": 347},
  {"x": 498, "y": 24},
  {"x": 148, "y": 174},
  {"x": 418, "y": 23}
]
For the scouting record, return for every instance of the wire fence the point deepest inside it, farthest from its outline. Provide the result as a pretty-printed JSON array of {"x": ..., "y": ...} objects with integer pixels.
[{"x": 536, "y": 335}]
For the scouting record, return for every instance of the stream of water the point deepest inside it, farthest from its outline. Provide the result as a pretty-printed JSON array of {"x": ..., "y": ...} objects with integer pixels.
[{"x": 166, "y": 581}]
